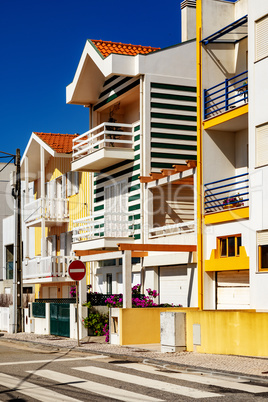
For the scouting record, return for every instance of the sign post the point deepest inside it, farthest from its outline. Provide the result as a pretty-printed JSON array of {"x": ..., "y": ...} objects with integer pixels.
[{"x": 77, "y": 271}]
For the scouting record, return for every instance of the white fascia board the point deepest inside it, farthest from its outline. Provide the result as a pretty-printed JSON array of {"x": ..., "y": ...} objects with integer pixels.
[
  {"x": 35, "y": 138},
  {"x": 44, "y": 145},
  {"x": 104, "y": 65}
]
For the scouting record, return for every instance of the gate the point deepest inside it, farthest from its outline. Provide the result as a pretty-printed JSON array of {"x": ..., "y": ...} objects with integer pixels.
[{"x": 60, "y": 319}]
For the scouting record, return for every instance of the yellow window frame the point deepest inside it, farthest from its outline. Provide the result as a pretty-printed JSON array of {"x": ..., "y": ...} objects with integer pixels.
[
  {"x": 219, "y": 242},
  {"x": 260, "y": 259}
]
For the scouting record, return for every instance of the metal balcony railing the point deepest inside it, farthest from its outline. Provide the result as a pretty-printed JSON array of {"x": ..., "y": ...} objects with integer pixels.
[
  {"x": 49, "y": 208},
  {"x": 229, "y": 94},
  {"x": 46, "y": 267},
  {"x": 232, "y": 192},
  {"x": 111, "y": 135},
  {"x": 96, "y": 226}
]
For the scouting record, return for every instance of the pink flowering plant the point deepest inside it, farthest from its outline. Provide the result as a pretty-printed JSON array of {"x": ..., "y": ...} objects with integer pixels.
[{"x": 99, "y": 323}]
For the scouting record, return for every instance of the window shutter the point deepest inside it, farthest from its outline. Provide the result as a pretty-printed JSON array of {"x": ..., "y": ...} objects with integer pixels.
[
  {"x": 262, "y": 145},
  {"x": 63, "y": 186},
  {"x": 261, "y": 38},
  {"x": 262, "y": 238},
  {"x": 75, "y": 182},
  {"x": 69, "y": 184},
  {"x": 54, "y": 245},
  {"x": 62, "y": 244}
]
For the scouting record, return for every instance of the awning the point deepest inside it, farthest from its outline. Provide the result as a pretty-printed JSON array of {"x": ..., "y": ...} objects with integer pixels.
[{"x": 232, "y": 33}]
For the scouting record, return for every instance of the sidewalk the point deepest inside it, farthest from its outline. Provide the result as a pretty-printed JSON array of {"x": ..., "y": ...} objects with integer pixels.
[{"x": 233, "y": 365}]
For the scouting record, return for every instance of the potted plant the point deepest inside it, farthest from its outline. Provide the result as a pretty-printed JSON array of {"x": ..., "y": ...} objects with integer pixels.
[{"x": 233, "y": 202}]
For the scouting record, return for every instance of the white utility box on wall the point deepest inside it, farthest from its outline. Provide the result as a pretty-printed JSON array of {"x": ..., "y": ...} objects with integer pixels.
[{"x": 173, "y": 332}]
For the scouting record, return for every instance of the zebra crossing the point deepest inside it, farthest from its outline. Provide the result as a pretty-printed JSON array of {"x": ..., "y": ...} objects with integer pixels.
[{"x": 148, "y": 380}]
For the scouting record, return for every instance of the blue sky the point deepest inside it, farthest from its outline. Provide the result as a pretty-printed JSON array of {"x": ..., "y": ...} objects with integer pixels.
[{"x": 41, "y": 43}]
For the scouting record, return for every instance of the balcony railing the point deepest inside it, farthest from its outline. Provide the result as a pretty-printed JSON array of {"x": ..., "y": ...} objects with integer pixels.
[
  {"x": 55, "y": 209},
  {"x": 174, "y": 229},
  {"x": 106, "y": 135},
  {"x": 47, "y": 267},
  {"x": 229, "y": 94},
  {"x": 103, "y": 225},
  {"x": 229, "y": 193}
]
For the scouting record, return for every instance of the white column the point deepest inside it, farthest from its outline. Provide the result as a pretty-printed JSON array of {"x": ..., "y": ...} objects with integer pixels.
[
  {"x": 82, "y": 292},
  {"x": 26, "y": 201},
  {"x": 126, "y": 267},
  {"x": 43, "y": 225}
]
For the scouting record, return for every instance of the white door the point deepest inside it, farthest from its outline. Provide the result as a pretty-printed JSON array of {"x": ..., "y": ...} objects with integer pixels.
[
  {"x": 173, "y": 285},
  {"x": 66, "y": 291},
  {"x": 116, "y": 213},
  {"x": 233, "y": 290},
  {"x": 53, "y": 292}
]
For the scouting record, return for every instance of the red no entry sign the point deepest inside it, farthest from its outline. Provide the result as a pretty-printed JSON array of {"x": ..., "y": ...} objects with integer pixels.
[{"x": 77, "y": 270}]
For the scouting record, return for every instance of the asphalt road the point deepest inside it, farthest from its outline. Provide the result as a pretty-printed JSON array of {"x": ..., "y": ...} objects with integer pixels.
[{"x": 42, "y": 375}]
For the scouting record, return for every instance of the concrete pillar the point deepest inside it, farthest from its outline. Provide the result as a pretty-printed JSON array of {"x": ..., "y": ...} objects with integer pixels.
[{"x": 126, "y": 267}]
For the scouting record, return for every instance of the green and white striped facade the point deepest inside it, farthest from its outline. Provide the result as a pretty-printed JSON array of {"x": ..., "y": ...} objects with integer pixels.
[
  {"x": 173, "y": 124},
  {"x": 168, "y": 118}
]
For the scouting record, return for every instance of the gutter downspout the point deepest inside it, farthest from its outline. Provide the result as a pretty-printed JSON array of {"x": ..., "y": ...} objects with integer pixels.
[
  {"x": 200, "y": 218},
  {"x": 142, "y": 153}
]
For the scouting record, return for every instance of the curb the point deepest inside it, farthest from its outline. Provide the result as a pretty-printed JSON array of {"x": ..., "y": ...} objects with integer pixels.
[{"x": 179, "y": 367}]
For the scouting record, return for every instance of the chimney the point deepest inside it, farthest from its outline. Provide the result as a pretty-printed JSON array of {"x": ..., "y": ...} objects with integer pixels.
[{"x": 188, "y": 20}]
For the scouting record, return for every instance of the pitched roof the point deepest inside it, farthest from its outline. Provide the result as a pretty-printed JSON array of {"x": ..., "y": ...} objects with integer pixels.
[
  {"x": 61, "y": 143},
  {"x": 108, "y": 47}
]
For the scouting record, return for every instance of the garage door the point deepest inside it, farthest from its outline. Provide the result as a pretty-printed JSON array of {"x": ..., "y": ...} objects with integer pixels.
[
  {"x": 173, "y": 285},
  {"x": 233, "y": 290}
]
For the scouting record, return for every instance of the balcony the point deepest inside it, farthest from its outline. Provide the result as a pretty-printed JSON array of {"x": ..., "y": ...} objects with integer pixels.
[
  {"x": 103, "y": 231},
  {"x": 54, "y": 210},
  {"x": 223, "y": 199},
  {"x": 47, "y": 269},
  {"x": 226, "y": 96},
  {"x": 103, "y": 146},
  {"x": 173, "y": 229}
]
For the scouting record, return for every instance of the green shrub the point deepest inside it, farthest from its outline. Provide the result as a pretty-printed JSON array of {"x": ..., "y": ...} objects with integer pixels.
[{"x": 95, "y": 320}]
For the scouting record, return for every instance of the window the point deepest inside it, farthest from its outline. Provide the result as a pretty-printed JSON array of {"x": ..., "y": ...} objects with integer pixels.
[
  {"x": 229, "y": 246},
  {"x": 261, "y": 145},
  {"x": 109, "y": 280},
  {"x": 261, "y": 42},
  {"x": 262, "y": 242},
  {"x": 72, "y": 183},
  {"x": 9, "y": 261}
]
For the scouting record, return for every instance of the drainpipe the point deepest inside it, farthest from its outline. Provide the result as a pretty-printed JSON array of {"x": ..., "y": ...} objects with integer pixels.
[
  {"x": 200, "y": 218},
  {"x": 142, "y": 154}
]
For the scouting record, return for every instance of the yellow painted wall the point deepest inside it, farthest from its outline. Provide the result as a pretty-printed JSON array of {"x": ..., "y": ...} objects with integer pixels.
[
  {"x": 58, "y": 285},
  {"x": 227, "y": 216},
  {"x": 216, "y": 263},
  {"x": 229, "y": 332},
  {"x": 79, "y": 204},
  {"x": 141, "y": 325},
  {"x": 222, "y": 332}
]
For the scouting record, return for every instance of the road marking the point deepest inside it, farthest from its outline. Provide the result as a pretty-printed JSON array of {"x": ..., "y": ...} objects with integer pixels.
[
  {"x": 34, "y": 391},
  {"x": 67, "y": 359},
  {"x": 147, "y": 382},
  {"x": 238, "y": 385},
  {"x": 94, "y": 387}
]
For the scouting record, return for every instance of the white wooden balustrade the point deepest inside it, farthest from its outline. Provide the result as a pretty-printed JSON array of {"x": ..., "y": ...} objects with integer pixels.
[
  {"x": 103, "y": 225},
  {"x": 52, "y": 266},
  {"x": 111, "y": 135},
  {"x": 56, "y": 209}
]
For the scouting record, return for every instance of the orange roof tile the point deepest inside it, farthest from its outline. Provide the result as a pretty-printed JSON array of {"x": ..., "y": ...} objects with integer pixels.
[
  {"x": 61, "y": 143},
  {"x": 108, "y": 47}
]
